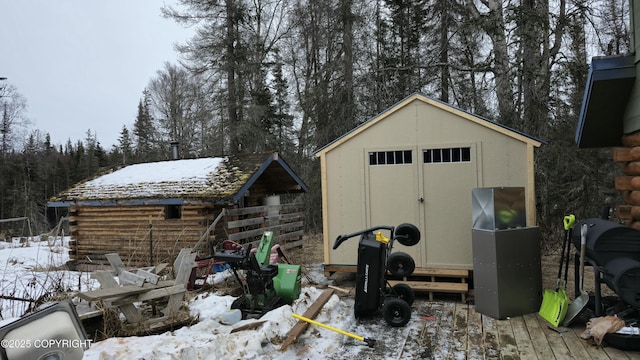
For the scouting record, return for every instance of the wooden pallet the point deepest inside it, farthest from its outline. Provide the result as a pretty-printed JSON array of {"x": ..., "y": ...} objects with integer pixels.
[
  {"x": 429, "y": 280},
  {"x": 437, "y": 281}
]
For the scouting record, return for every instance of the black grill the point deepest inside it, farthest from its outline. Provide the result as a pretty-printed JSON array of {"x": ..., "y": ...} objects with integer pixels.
[
  {"x": 622, "y": 275},
  {"x": 614, "y": 252},
  {"x": 607, "y": 240}
]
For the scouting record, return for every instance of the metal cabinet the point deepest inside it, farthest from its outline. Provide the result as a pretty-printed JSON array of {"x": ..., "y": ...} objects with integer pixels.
[{"x": 507, "y": 273}]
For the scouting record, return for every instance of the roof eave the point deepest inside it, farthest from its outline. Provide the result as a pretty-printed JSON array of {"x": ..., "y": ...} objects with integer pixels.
[
  {"x": 606, "y": 95},
  {"x": 256, "y": 175}
]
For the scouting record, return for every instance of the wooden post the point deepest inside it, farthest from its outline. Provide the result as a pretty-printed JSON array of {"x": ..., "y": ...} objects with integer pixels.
[{"x": 150, "y": 241}]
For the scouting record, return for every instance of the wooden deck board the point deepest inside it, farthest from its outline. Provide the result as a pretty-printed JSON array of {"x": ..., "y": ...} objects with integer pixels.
[
  {"x": 576, "y": 345},
  {"x": 475, "y": 343},
  {"x": 541, "y": 346},
  {"x": 556, "y": 341},
  {"x": 633, "y": 355},
  {"x": 524, "y": 342},
  {"x": 507, "y": 340},
  {"x": 454, "y": 330},
  {"x": 460, "y": 331},
  {"x": 491, "y": 337},
  {"x": 439, "y": 330}
]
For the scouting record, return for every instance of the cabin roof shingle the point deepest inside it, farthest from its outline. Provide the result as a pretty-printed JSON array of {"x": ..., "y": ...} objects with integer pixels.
[{"x": 209, "y": 178}]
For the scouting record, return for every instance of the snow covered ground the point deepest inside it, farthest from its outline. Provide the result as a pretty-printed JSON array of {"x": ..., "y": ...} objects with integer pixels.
[{"x": 29, "y": 269}]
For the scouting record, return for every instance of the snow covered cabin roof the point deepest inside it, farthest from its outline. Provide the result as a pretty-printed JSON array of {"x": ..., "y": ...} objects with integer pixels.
[{"x": 224, "y": 178}]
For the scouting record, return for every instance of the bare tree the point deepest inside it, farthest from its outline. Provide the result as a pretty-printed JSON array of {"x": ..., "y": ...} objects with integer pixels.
[{"x": 14, "y": 122}]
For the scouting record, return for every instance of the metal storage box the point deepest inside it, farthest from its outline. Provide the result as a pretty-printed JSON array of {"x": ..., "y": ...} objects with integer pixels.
[
  {"x": 498, "y": 208},
  {"x": 507, "y": 273}
]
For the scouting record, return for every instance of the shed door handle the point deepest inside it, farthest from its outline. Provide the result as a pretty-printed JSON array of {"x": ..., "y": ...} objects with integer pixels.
[{"x": 421, "y": 199}]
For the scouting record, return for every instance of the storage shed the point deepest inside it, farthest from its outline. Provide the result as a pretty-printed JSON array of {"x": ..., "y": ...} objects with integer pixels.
[
  {"x": 417, "y": 162},
  {"x": 148, "y": 212}
]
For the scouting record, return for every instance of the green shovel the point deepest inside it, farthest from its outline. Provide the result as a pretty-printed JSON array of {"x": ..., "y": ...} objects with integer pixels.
[{"x": 555, "y": 303}]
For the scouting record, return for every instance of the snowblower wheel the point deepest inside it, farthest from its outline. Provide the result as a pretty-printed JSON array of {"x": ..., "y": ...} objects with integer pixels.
[
  {"x": 396, "y": 312},
  {"x": 407, "y": 234},
  {"x": 401, "y": 264},
  {"x": 404, "y": 292}
]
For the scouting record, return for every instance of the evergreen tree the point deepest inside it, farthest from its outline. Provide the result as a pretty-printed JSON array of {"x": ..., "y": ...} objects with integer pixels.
[
  {"x": 125, "y": 146},
  {"x": 283, "y": 120},
  {"x": 144, "y": 130}
]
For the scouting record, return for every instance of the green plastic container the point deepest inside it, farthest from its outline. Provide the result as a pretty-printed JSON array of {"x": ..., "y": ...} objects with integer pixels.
[{"x": 287, "y": 282}]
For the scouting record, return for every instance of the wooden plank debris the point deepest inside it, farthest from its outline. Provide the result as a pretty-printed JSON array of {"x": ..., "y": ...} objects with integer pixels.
[
  {"x": 106, "y": 280},
  {"x": 115, "y": 262},
  {"x": 183, "y": 265},
  {"x": 311, "y": 313},
  {"x": 152, "y": 294},
  {"x": 148, "y": 276},
  {"x": 143, "y": 285},
  {"x": 111, "y": 292},
  {"x": 248, "y": 326},
  {"x": 159, "y": 268},
  {"x": 129, "y": 278},
  {"x": 342, "y": 290}
]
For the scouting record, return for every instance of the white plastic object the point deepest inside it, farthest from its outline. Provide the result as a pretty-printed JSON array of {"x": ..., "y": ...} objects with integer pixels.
[{"x": 231, "y": 316}]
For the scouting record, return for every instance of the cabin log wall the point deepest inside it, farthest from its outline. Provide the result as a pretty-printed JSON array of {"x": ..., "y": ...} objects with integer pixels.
[
  {"x": 127, "y": 230},
  {"x": 99, "y": 230},
  {"x": 628, "y": 157}
]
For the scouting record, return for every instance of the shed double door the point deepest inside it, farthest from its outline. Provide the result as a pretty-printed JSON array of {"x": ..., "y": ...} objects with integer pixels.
[{"x": 430, "y": 187}]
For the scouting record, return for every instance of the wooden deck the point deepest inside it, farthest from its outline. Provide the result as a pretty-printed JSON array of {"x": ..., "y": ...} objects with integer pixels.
[{"x": 454, "y": 330}]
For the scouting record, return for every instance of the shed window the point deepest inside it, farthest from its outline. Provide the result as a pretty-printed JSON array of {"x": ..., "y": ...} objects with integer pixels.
[
  {"x": 173, "y": 212},
  {"x": 446, "y": 155},
  {"x": 390, "y": 157}
]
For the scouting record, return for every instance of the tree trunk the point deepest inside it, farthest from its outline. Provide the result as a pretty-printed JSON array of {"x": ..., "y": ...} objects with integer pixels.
[
  {"x": 494, "y": 25},
  {"x": 232, "y": 99}
]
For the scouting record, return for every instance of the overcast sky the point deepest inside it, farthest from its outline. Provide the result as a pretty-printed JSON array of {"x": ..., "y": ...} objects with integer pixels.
[{"x": 83, "y": 64}]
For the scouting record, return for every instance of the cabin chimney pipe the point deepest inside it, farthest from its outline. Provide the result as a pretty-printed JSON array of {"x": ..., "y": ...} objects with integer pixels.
[{"x": 175, "y": 155}]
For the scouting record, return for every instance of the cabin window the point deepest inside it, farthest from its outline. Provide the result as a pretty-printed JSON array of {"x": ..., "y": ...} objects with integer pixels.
[
  {"x": 173, "y": 212},
  {"x": 446, "y": 155},
  {"x": 395, "y": 157}
]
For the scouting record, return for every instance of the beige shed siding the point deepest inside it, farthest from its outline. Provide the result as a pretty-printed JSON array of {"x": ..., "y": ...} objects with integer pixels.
[
  {"x": 344, "y": 197},
  {"x": 346, "y": 180},
  {"x": 499, "y": 158}
]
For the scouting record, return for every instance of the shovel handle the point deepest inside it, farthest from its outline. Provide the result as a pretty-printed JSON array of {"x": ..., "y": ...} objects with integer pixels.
[
  {"x": 564, "y": 246},
  {"x": 583, "y": 250}
]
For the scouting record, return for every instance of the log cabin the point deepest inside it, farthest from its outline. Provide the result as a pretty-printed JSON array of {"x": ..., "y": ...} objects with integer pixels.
[{"x": 148, "y": 212}]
